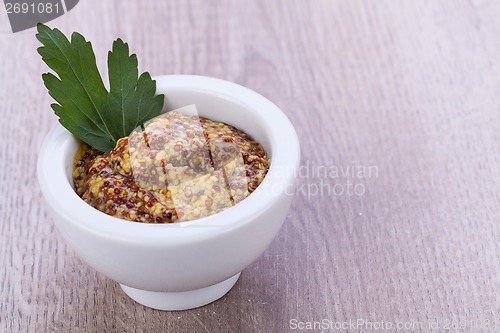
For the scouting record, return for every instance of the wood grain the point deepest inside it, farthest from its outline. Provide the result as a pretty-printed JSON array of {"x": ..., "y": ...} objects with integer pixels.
[{"x": 409, "y": 88}]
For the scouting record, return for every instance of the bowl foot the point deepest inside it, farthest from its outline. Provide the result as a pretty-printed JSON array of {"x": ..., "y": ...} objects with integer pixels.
[{"x": 181, "y": 300}]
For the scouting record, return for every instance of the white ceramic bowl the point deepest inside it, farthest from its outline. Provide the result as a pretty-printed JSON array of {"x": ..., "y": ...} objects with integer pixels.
[{"x": 188, "y": 264}]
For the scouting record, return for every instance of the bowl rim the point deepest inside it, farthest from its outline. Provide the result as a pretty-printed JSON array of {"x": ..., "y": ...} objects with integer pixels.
[{"x": 63, "y": 200}]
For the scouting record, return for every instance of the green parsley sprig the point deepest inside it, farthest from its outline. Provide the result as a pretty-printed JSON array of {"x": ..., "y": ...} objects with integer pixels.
[{"x": 84, "y": 106}]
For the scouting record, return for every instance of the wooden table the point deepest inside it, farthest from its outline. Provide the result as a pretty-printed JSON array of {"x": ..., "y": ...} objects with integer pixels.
[{"x": 397, "y": 215}]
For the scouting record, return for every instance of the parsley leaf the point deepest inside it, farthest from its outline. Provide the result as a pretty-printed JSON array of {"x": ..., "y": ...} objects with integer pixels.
[{"x": 84, "y": 106}]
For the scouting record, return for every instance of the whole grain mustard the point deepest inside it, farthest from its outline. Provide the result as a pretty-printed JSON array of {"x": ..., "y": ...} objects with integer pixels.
[{"x": 176, "y": 168}]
